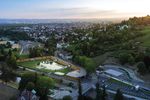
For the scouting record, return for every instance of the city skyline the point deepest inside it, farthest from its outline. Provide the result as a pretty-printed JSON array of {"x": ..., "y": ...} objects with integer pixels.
[{"x": 73, "y": 9}]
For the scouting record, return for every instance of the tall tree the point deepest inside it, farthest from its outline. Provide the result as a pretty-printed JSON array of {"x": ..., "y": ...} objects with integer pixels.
[
  {"x": 51, "y": 44},
  {"x": 147, "y": 61},
  {"x": 80, "y": 97},
  {"x": 7, "y": 75},
  {"x": 104, "y": 94},
  {"x": 67, "y": 98},
  {"x": 98, "y": 91},
  {"x": 11, "y": 61},
  {"x": 36, "y": 52},
  {"x": 119, "y": 95},
  {"x": 142, "y": 68}
]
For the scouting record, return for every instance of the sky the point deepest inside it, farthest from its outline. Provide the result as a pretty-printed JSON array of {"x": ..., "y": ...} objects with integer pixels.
[{"x": 73, "y": 9}]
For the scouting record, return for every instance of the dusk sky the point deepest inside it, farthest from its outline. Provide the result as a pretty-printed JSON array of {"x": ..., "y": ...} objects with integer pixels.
[{"x": 62, "y": 9}]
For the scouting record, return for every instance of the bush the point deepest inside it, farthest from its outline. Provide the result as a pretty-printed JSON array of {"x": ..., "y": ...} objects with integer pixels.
[
  {"x": 30, "y": 86},
  {"x": 141, "y": 68},
  {"x": 13, "y": 98},
  {"x": 126, "y": 58},
  {"x": 24, "y": 68},
  {"x": 70, "y": 84},
  {"x": 86, "y": 62},
  {"x": 67, "y": 98}
]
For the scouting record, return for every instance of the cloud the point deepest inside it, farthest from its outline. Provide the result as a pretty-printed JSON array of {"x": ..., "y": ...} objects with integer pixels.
[
  {"x": 84, "y": 12},
  {"x": 68, "y": 13}
]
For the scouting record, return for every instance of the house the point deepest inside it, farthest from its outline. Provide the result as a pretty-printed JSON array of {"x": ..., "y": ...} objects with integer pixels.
[
  {"x": 123, "y": 27},
  {"x": 28, "y": 95},
  {"x": 3, "y": 42},
  {"x": 15, "y": 46}
]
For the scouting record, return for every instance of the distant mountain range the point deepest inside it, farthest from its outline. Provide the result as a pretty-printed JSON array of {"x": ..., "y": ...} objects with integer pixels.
[{"x": 36, "y": 21}]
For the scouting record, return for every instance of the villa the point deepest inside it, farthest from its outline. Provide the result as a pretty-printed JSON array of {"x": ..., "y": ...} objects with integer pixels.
[{"x": 28, "y": 95}]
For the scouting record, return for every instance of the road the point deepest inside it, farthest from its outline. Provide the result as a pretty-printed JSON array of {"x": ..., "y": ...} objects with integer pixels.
[{"x": 125, "y": 82}]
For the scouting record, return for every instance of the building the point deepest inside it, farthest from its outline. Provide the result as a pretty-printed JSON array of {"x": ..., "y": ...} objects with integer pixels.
[
  {"x": 77, "y": 73},
  {"x": 3, "y": 42},
  {"x": 15, "y": 46},
  {"x": 28, "y": 95}
]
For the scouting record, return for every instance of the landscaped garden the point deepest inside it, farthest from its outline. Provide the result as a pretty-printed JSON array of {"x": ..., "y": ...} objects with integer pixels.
[{"x": 45, "y": 65}]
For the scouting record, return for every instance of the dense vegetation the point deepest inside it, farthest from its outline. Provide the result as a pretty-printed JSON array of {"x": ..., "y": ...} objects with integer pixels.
[
  {"x": 41, "y": 84},
  {"x": 95, "y": 41},
  {"x": 86, "y": 63},
  {"x": 14, "y": 35},
  {"x": 128, "y": 41}
]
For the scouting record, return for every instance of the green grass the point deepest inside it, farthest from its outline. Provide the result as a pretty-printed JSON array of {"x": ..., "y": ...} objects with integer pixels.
[
  {"x": 17, "y": 53},
  {"x": 30, "y": 64},
  {"x": 34, "y": 64},
  {"x": 23, "y": 56},
  {"x": 145, "y": 39},
  {"x": 100, "y": 59},
  {"x": 118, "y": 82}
]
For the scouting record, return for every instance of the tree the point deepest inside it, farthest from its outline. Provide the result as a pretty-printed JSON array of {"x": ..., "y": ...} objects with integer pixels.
[
  {"x": 147, "y": 61},
  {"x": 126, "y": 58},
  {"x": 30, "y": 86},
  {"x": 36, "y": 52},
  {"x": 67, "y": 98},
  {"x": 142, "y": 68},
  {"x": 43, "y": 85},
  {"x": 86, "y": 62},
  {"x": 80, "y": 97},
  {"x": 27, "y": 77},
  {"x": 8, "y": 45},
  {"x": 89, "y": 65},
  {"x": 3, "y": 54},
  {"x": 104, "y": 94},
  {"x": 98, "y": 91},
  {"x": 7, "y": 75},
  {"x": 131, "y": 60},
  {"x": 2, "y": 51},
  {"x": 51, "y": 44},
  {"x": 9, "y": 52},
  {"x": 11, "y": 61},
  {"x": 44, "y": 81},
  {"x": 119, "y": 95}
]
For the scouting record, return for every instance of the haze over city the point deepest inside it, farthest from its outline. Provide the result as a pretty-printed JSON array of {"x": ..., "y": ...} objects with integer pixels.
[{"x": 72, "y": 9}]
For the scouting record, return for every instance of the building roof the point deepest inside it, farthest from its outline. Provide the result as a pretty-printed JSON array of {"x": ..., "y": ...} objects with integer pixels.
[
  {"x": 28, "y": 95},
  {"x": 59, "y": 73},
  {"x": 113, "y": 72},
  {"x": 77, "y": 73},
  {"x": 59, "y": 94}
]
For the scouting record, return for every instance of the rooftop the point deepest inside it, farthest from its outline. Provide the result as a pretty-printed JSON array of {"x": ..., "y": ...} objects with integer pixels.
[{"x": 113, "y": 72}]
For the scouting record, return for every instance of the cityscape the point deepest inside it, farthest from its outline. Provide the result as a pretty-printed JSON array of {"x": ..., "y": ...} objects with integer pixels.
[{"x": 74, "y": 50}]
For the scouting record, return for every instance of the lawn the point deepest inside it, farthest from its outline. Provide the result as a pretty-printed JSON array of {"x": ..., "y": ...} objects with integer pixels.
[
  {"x": 112, "y": 80},
  {"x": 145, "y": 39},
  {"x": 34, "y": 64},
  {"x": 100, "y": 59},
  {"x": 23, "y": 56}
]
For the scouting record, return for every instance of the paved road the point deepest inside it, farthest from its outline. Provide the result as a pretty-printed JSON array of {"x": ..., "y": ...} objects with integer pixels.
[
  {"x": 125, "y": 88},
  {"x": 7, "y": 92}
]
